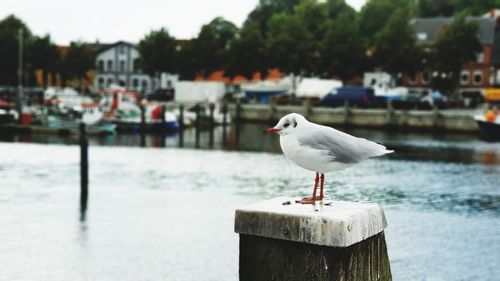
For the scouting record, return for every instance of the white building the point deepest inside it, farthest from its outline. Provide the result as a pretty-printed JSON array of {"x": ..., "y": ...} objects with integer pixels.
[{"x": 118, "y": 64}]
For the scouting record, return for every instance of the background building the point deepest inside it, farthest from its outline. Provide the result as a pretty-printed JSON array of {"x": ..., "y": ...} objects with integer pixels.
[
  {"x": 475, "y": 76},
  {"x": 118, "y": 64}
]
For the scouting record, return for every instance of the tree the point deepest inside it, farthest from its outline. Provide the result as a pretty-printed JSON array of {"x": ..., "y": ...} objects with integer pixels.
[
  {"x": 375, "y": 13},
  {"x": 77, "y": 61},
  {"x": 434, "y": 8},
  {"x": 157, "y": 51},
  {"x": 247, "y": 53},
  {"x": 395, "y": 49},
  {"x": 43, "y": 54},
  {"x": 9, "y": 48},
  {"x": 339, "y": 7},
  {"x": 211, "y": 46},
  {"x": 261, "y": 15},
  {"x": 457, "y": 45},
  {"x": 342, "y": 49},
  {"x": 187, "y": 62},
  {"x": 289, "y": 44}
]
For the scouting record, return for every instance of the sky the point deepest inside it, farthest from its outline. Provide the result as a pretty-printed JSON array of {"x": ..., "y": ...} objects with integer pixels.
[{"x": 108, "y": 21}]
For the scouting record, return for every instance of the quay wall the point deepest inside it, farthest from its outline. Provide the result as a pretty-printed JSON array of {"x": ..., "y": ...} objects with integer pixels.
[{"x": 433, "y": 120}]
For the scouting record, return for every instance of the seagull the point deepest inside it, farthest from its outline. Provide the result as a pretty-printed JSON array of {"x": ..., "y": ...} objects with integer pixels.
[{"x": 321, "y": 149}]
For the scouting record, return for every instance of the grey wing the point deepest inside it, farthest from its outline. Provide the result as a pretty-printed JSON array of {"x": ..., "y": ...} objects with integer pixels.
[{"x": 340, "y": 146}]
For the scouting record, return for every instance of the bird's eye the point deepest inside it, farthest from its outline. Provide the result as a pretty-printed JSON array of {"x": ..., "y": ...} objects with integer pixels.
[{"x": 286, "y": 125}]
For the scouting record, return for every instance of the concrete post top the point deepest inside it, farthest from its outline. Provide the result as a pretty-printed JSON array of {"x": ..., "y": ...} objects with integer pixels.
[{"x": 341, "y": 224}]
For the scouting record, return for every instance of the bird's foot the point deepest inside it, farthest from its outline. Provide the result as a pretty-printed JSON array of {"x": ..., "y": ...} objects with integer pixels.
[{"x": 308, "y": 200}]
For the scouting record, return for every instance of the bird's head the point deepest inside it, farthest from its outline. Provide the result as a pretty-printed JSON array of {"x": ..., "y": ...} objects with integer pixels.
[{"x": 288, "y": 124}]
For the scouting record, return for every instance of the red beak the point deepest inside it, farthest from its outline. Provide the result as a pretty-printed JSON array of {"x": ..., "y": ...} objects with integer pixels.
[{"x": 272, "y": 130}]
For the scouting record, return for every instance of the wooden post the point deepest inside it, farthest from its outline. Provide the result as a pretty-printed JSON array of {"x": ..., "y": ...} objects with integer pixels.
[
  {"x": 143, "y": 125},
  {"x": 238, "y": 122},
  {"x": 181, "y": 125},
  {"x": 224, "y": 112},
  {"x": 347, "y": 112},
  {"x": 224, "y": 123},
  {"x": 344, "y": 241},
  {"x": 390, "y": 118},
  {"x": 197, "y": 126},
  {"x": 84, "y": 170},
  {"x": 212, "y": 126},
  {"x": 163, "y": 126}
]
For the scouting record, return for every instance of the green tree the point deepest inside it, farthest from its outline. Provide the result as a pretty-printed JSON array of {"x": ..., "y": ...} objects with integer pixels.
[
  {"x": 261, "y": 15},
  {"x": 289, "y": 44},
  {"x": 339, "y": 7},
  {"x": 9, "y": 48},
  {"x": 375, "y": 13},
  {"x": 475, "y": 7},
  {"x": 342, "y": 49},
  {"x": 395, "y": 49},
  {"x": 434, "y": 8},
  {"x": 157, "y": 51},
  {"x": 78, "y": 60},
  {"x": 187, "y": 65},
  {"x": 458, "y": 45},
  {"x": 211, "y": 46},
  {"x": 247, "y": 53},
  {"x": 43, "y": 54}
]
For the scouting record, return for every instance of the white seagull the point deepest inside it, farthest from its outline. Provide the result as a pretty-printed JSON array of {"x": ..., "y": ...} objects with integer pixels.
[{"x": 321, "y": 149}]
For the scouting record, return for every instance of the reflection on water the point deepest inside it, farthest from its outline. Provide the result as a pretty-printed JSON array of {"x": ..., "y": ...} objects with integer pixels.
[{"x": 159, "y": 213}]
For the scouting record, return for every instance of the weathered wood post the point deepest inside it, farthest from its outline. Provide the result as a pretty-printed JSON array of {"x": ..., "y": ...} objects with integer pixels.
[
  {"x": 347, "y": 112},
  {"x": 344, "y": 241},
  {"x": 143, "y": 125},
  {"x": 211, "y": 125},
  {"x": 238, "y": 121},
  {"x": 181, "y": 125},
  {"x": 163, "y": 126},
  {"x": 390, "y": 117},
  {"x": 84, "y": 170},
  {"x": 197, "y": 126},
  {"x": 224, "y": 122}
]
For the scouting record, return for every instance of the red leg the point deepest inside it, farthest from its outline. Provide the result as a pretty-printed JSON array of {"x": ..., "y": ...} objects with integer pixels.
[{"x": 312, "y": 199}]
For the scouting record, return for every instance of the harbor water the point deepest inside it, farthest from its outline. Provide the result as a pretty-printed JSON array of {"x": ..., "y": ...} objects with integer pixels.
[{"x": 164, "y": 212}]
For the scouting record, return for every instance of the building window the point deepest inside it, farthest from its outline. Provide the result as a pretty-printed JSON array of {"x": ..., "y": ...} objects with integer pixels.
[
  {"x": 122, "y": 49},
  {"x": 426, "y": 76},
  {"x": 122, "y": 66},
  {"x": 477, "y": 78},
  {"x": 110, "y": 81},
  {"x": 464, "y": 77},
  {"x": 100, "y": 82},
  {"x": 100, "y": 65},
  {"x": 110, "y": 65},
  {"x": 122, "y": 83},
  {"x": 135, "y": 82},
  {"x": 144, "y": 84}
]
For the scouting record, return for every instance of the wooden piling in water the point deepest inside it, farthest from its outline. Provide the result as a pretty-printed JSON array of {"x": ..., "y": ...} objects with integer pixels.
[
  {"x": 84, "y": 165},
  {"x": 197, "y": 126},
  {"x": 143, "y": 125},
  {"x": 163, "y": 126},
  {"x": 292, "y": 242},
  {"x": 181, "y": 125},
  {"x": 211, "y": 126}
]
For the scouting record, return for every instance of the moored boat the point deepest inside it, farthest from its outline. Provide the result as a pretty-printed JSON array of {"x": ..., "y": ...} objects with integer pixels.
[{"x": 489, "y": 129}]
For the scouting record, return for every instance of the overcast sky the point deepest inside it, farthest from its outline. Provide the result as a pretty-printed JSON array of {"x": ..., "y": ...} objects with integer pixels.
[{"x": 112, "y": 20}]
